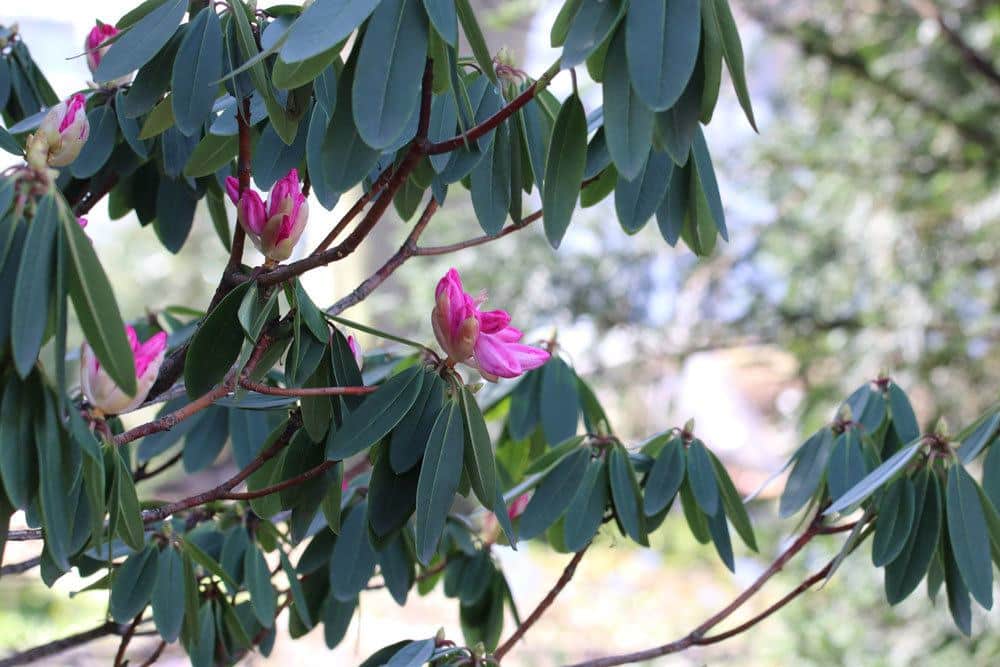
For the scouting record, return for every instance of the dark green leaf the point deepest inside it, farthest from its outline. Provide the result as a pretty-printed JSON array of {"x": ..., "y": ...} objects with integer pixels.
[
  {"x": 894, "y": 522},
  {"x": 444, "y": 19},
  {"x": 128, "y": 517},
  {"x": 377, "y": 415},
  {"x": 30, "y": 310},
  {"x": 168, "y": 595},
  {"x": 560, "y": 401},
  {"x": 904, "y": 421},
  {"x": 336, "y": 619},
  {"x": 474, "y": 35},
  {"x": 537, "y": 127},
  {"x": 414, "y": 654},
  {"x": 216, "y": 345},
  {"x": 133, "y": 584},
  {"x": 875, "y": 479},
  {"x": 491, "y": 189},
  {"x": 553, "y": 495},
  {"x": 979, "y": 438},
  {"x": 968, "y": 535},
  {"x": 732, "y": 51},
  {"x": 701, "y": 475},
  {"x": 197, "y": 68},
  {"x": 706, "y": 177},
  {"x": 636, "y": 201},
  {"x": 353, "y": 561},
  {"x": 554, "y": 455},
  {"x": 391, "y": 497},
  {"x": 733, "y": 504},
  {"x": 586, "y": 510},
  {"x": 57, "y": 471},
  {"x": 479, "y": 461},
  {"x": 719, "y": 531},
  {"x": 409, "y": 438},
  {"x": 524, "y": 405},
  {"x": 175, "y": 207},
  {"x": 322, "y": 25},
  {"x": 662, "y": 43},
  {"x": 211, "y": 154},
  {"x": 847, "y": 464},
  {"x": 626, "y": 495},
  {"x": 257, "y": 577},
  {"x": 628, "y": 121},
  {"x": 807, "y": 473},
  {"x": 958, "y": 594},
  {"x": 665, "y": 477},
  {"x": 904, "y": 573},
  {"x": 564, "y": 163},
  {"x": 439, "y": 477},
  {"x": 141, "y": 41},
  {"x": 387, "y": 80},
  {"x": 591, "y": 25},
  {"x": 96, "y": 308},
  {"x": 293, "y": 75},
  {"x": 396, "y": 567}
]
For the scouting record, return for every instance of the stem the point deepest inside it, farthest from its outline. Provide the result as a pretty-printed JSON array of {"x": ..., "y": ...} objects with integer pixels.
[
  {"x": 126, "y": 638},
  {"x": 167, "y": 422},
  {"x": 18, "y": 568},
  {"x": 59, "y": 645},
  {"x": 155, "y": 655},
  {"x": 359, "y": 205},
  {"x": 142, "y": 473},
  {"x": 479, "y": 240},
  {"x": 542, "y": 607},
  {"x": 281, "y": 486},
  {"x": 261, "y": 388},
  {"x": 493, "y": 121}
]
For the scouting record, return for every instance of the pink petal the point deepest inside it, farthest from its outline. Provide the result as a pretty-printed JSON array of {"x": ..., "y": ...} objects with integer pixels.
[
  {"x": 76, "y": 103},
  {"x": 233, "y": 189},
  {"x": 495, "y": 357},
  {"x": 492, "y": 321}
]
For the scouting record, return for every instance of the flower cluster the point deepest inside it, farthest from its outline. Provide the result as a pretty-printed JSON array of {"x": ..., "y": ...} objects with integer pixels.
[
  {"x": 482, "y": 339},
  {"x": 273, "y": 228}
]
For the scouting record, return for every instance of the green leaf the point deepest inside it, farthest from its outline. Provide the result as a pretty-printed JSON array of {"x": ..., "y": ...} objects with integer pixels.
[
  {"x": 479, "y": 460},
  {"x": 295, "y": 586},
  {"x": 440, "y": 473},
  {"x": 705, "y": 173},
  {"x": 894, "y": 521},
  {"x": 30, "y": 310},
  {"x": 958, "y": 595},
  {"x": 129, "y": 127},
  {"x": 386, "y": 91},
  {"x": 353, "y": 561},
  {"x": 847, "y": 464},
  {"x": 197, "y": 68},
  {"x": 733, "y": 504},
  {"x": 991, "y": 475},
  {"x": 564, "y": 164},
  {"x": 665, "y": 477},
  {"x": 904, "y": 573},
  {"x": 377, "y": 415},
  {"x": 175, "y": 207},
  {"x": 137, "y": 45},
  {"x": 216, "y": 345},
  {"x": 524, "y": 405},
  {"x": 554, "y": 494},
  {"x": 701, "y": 476},
  {"x": 559, "y": 401},
  {"x": 626, "y": 495},
  {"x": 444, "y": 19},
  {"x": 474, "y": 35},
  {"x": 662, "y": 44},
  {"x": 807, "y": 473},
  {"x": 904, "y": 421},
  {"x": 168, "y": 594},
  {"x": 875, "y": 479},
  {"x": 709, "y": 68},
  {"x": 414, "y": 654},
  {"x": 968, "y": 535},
  {"x": 560, "y": 27},
  {"x": 586, "y": 510},
  {"x": 322, "y": 25},
  {"x": 732, "y": 51},
  {"x": 591, "y": 26},
  {"x": 336, "y": 620},
  {"x": 57, "y": 472},
  {"x": 211, "y": 154},
  {"x": 696, "y": 519},
  {"x": 554, "y": 455},
  {"x": 637, "y": 200},
  {"x": 133, "y": 584},
  {"x": 100, "y": 142},
  {"x": 189, "y": 627},
  {"x": 127, "y": 514},
  {"x": 979, "y": 438},
  {"x": 287, "y": 76},
  {"x": 719, "y": 531},
  {"x": 257, "y": 577},
  {"x": 159, "y": 120},
  {"x": 628, "y": 122},
  {"x": 209, "y": 564},
  {"x": 537, "y": 127},
  {"x": 491, "y": 189}
]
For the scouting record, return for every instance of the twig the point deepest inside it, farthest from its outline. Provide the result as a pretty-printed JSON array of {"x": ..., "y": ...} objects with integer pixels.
[
  {"x": 59, "y": 645},
  {"x": 142, "y": 473},
  {"x": 281, "y": 486},
  {"x": 699, "y": 636},
  {"x": 155, "y": 655},
  {"x": 24, "y": 535},
  {"x": 479, "y": 240},
  {"x": 18, "y": 568},
  {"x": 542, "y": 607},
  {"x": 126, "y": 638},
  {"x": 359, "y": 206},
  {"x": 928, "y": 10},
  {"x": 168, "y": 421},
  {"x": 262, "y": 388}
]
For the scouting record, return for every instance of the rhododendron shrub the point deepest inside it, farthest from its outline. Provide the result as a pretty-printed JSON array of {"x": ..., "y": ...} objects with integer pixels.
[{"x": 405, "y": 470}]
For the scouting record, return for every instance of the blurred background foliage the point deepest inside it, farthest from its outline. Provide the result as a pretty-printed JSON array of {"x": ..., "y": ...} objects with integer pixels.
[{"x": 865, "y": 221}]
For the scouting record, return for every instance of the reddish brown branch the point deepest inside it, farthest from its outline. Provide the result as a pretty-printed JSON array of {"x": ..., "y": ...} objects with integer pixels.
[
  {"x": 168, "y": 421},
  {"x": 359, "y": 206},
  {"x": 126, "y": 638},
  {"x": 479, "y": 240},
  {"x": 261, "y": 388},
  {"x": 546, "y": 602},
  {"x": 155, "y": 655},
  {"x": 59, "y": 645},
  {"x": 280, "y": 486}
]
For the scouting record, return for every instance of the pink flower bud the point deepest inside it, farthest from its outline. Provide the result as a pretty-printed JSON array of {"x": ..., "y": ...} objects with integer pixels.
[
  {"x": 102, "y": 392},
  {"x": 64, "y": 130},
  {"x": 95, "y": 47},
  {"x": 82, "y": 222},
  {"x": 274, "y": 229},
  {"x": 517, "y": 507},
  {"x": 359, "y": 355},
  {"x": 482, "y": 339}
]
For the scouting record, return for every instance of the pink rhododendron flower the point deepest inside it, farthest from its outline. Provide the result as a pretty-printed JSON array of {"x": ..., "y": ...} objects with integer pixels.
[
  {"x": 102, "y": 392},
  {"x": 274, "y": 228},
  {"x": 359, "y": 354},
  {"x": 61, "y": 135},
  {"x": 482, "y": 339},
  {"x": 99, "y": 34}
]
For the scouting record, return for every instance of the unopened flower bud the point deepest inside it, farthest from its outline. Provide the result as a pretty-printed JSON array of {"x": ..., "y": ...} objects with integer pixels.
[
  {"x": 64, "y": 131},
  {"x": 359, "y": 355},
  {"x": 103, "y": 393},
  {"x": 96, "y": 47},
  {"x": 274, "y": 229}
]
